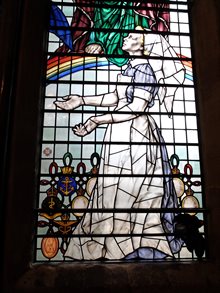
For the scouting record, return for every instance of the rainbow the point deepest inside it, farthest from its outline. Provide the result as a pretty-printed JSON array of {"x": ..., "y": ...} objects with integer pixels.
[
  {"x": 188, "y": 67},
  {"x": 59, "y": 67}
]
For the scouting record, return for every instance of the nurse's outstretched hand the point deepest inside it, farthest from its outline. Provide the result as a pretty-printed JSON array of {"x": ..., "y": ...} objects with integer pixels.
[{"x": 69, "y": 102}]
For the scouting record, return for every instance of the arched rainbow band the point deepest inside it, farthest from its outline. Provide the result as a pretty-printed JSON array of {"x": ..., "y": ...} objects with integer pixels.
[{"x": 58, "y": 67}]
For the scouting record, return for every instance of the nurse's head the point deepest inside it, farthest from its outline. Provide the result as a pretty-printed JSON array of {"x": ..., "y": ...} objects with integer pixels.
[{"x": 134, "y": 42}]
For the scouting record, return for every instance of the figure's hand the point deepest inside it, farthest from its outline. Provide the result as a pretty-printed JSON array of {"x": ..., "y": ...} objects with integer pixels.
[
  {"x": 79, "y": 130},
  {"x": 69, "y": 102},
  {"x": 86, "y": 128},
  {"x": 93, "y": 49}
]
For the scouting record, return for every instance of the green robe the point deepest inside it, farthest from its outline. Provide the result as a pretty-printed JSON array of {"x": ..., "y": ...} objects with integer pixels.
[{"x": 115, "y": 18}]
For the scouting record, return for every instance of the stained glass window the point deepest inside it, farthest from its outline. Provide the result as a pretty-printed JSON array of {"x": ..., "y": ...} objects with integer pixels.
[{"x": 120, "y": 175}]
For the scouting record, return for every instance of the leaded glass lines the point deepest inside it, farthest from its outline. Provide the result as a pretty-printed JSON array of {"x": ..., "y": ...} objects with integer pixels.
[{"x": 120, "y": 165}]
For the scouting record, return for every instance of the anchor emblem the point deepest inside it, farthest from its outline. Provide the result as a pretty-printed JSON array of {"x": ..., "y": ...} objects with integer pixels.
[{"x": 66, "y": 185}]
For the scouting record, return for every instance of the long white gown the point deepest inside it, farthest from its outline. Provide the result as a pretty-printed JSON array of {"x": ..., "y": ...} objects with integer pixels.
[{"x": 130, "y": 148}]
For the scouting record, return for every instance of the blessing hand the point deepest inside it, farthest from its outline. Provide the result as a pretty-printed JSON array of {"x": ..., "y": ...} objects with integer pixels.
[
  {"x": 94, "y": 49},
  {"x": 69, "y": 102}
]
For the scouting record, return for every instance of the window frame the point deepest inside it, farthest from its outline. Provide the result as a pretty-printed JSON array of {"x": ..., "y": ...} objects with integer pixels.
[{"x": 202, "y": 210}]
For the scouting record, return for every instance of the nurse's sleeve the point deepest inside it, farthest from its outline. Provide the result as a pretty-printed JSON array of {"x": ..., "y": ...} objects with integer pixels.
[{"x": 144, "y": 84}]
